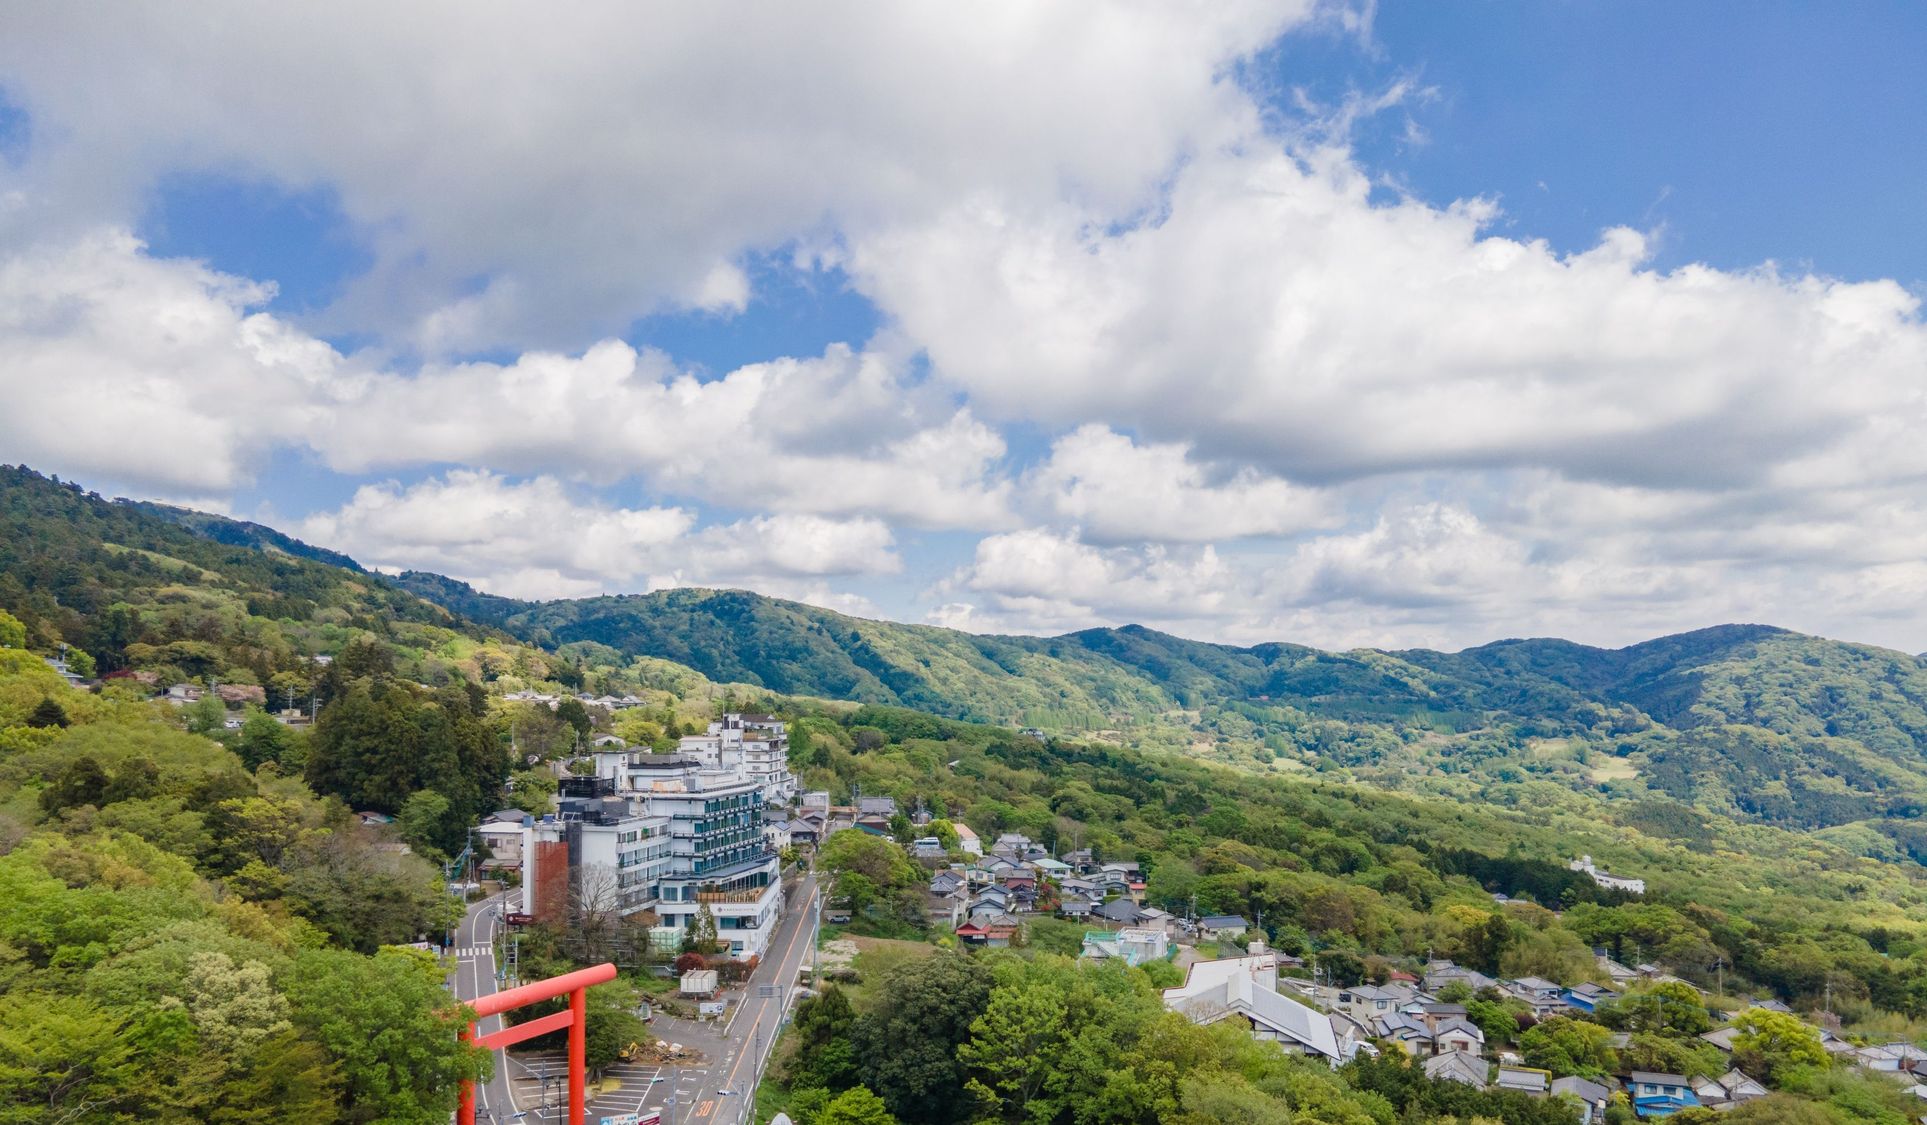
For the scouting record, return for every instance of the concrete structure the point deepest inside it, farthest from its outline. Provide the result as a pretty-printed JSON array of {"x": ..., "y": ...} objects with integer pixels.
[
  {"x": 708, "y": 851},
  {"x": 595, "y": 854},
  {"x": 719, "y": 858},
  {"x": 1607, "y": 880},
  {"x": 1133, "y": 947},
  {"x": 756, "y": 747}
]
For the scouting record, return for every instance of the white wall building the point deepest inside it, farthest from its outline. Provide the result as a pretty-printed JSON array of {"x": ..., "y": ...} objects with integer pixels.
[
  {"x": 719, "y": 854},
  {"x": 756, "y": 746},
  {"x": 595, "y": 854},
  {"x": 1607, "y": 880}
]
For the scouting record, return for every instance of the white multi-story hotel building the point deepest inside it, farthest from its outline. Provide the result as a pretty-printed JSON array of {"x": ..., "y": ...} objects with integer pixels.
[
  {"x": 703, "y": 825},
  {"x": 756, "y": 746},
  {"x": 599, "y": 854}
]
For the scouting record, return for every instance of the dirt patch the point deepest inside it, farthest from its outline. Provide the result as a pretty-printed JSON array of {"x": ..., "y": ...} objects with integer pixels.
[{"x": 839, "y": 954}]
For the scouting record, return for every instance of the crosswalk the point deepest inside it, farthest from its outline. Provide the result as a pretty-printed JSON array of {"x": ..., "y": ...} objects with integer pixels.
[{"x": 473, "y": 950}]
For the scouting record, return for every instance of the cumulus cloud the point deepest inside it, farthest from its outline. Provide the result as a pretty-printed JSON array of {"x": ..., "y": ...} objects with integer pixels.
[
  {"x": 160, "y": 373},
  {"x": 1141, "y": 358},
  {"x": 534, "y": 539},
  {"x": 598, "y": 161},
  {"x": 1274, "y": 315},
  {"x": 1117, "y": 490},
  {"x": 167, "y": 375},
  {"x": 1056, "y": 582}
]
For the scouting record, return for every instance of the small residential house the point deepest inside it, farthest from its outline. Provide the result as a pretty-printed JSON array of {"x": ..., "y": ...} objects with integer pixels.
[
  {"x": 1074, "y": 906},
  {"x": 946, "y": 883},
  {"x": 1410, "y": 1036},
  {"x": 1211, "y": 927},
  {"x": 502, "y": 832},
  {"x": 1729, "y": 1089},
  {"x": 1587, "y": 997},
  {"x": 1369, "y": 1001},
  {"x": 1457, "y": 1066},
  {"x": 1152, "y": 916},
  {"x": 1122, "y": 911},
  {"x": 1244, "y": 988},
  {"x": 1659, "y": 1095},
  {"x": 1617, "y": 973},
  {"x": 1458, "y": 1035},
  {"x": 1722, "y": 1037},
  {"x": 1591, "y": 1096},
  {"x": 1527, "y": 1080},
  {"x": 967, "y": 839},
  {"x": 806, "y": 831},
  {"x": 1438, "y": 974},
  {"x": 885, "y": 807},
  {"x": 1545, "y": 997},
  {"x": 994, "y": 931}
]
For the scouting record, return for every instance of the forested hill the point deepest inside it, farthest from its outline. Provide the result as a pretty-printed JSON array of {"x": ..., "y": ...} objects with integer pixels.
[
  {"x": 1754, "y": 674},
  {"x": 1745, "y": 720}
]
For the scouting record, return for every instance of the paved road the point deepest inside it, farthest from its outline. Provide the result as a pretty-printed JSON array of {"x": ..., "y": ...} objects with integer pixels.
[
  {"x": 719, "y": 1093},
  {"x": 726, "y": 1093},
  {"x": 473, "y": 976}
]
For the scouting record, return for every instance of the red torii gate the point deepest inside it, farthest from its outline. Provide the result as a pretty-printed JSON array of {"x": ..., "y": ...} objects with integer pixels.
[{"x": 576, "y": 984}]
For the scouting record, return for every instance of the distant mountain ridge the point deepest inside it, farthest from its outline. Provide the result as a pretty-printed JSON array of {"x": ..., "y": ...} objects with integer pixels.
[
  {"x": 801, "y": 649},
  {"x": 1748, "y": 721}
]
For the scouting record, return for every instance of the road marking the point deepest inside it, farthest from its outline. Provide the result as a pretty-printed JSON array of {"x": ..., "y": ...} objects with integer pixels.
[{"x": 703, "y": 1109}]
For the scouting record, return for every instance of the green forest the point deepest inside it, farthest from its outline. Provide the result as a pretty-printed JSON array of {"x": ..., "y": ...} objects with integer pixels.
[
  {"x": 1747, "y": 722},
  {"x": 201, "y": 929}
]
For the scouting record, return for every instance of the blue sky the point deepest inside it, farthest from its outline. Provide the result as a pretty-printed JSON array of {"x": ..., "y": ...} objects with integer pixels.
[{"x": 1419, "y": 324}]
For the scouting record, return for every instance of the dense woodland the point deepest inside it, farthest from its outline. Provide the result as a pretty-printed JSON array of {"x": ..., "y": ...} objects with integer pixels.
[
  {"x": 200, "y": 931},
  {"x": 1747, "y": 722}
]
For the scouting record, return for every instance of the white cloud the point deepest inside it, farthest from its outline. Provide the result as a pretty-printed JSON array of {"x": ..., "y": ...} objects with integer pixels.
[
  {"x": 533, "y": 539},
  {"x": 838, "y": 434},
  {"x": 161, "y": 374},
  {"x": 1272, "y": 315},
  {"x": 1346, "y": 422},
  {"x": 1117, "y": 490},
  {"x": 596, "y": 161},
  {"x": 117, "y": 365},
  {"x": 1038, "y": 579}
]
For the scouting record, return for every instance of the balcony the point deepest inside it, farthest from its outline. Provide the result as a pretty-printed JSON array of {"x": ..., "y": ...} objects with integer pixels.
[{"x": 750, "y": 896}]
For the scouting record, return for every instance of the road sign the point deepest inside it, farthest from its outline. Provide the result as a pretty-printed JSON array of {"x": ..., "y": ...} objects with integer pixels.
[{"x": 711, "y": 1007}]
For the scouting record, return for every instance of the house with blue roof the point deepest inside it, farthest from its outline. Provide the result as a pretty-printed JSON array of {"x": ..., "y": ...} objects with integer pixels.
[{"x": 1660, "y": 1095}]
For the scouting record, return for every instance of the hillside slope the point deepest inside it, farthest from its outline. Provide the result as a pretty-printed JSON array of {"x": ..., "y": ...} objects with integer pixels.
[{"x": 1745, "y": 720}]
